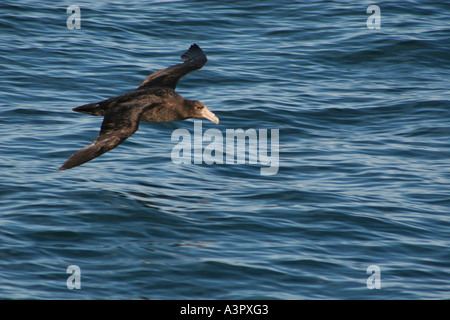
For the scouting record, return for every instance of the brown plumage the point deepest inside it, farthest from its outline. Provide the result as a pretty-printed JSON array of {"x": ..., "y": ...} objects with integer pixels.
[{"x": 155, "y": 100}]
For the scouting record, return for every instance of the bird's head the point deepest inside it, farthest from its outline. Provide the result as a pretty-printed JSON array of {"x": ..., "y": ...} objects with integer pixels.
[{"x": 196, "y": 109}]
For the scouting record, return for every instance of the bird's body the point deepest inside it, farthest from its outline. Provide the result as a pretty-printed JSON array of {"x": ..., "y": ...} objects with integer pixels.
[
  {"x": 155, "y": 100},
  {"x": 164, "y": 100}
]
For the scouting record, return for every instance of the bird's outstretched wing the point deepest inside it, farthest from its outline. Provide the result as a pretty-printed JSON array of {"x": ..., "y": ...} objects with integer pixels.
[
  {"x": 119, "y": 124},
  {"x": 193, "y": 59}
]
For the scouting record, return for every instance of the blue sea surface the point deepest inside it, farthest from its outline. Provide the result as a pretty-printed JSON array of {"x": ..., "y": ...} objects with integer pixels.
[{"x": 364, "y": 152}]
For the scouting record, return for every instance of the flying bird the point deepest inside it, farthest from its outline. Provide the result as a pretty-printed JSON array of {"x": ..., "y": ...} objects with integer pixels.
[{"x": 155, "y": 100}]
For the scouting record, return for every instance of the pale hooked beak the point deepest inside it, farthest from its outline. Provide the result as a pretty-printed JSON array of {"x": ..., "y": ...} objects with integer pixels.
[{"x": 207, "y": 114}]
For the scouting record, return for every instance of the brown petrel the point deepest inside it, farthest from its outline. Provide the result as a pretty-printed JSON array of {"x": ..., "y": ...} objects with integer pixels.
[{"x": 155, "y": 100}]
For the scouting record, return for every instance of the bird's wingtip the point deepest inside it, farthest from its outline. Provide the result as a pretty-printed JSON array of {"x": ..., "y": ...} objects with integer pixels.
[{"x": 194, "y": 51}]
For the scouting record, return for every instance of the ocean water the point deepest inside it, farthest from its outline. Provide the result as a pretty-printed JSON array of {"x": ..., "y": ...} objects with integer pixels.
[{"x": 364, "y": 152}]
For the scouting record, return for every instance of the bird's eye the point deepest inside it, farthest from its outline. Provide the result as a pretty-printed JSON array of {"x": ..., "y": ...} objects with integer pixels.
[{"x": 199, "y": 107}]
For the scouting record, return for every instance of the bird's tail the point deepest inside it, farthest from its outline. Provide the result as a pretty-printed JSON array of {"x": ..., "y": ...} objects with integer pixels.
[{"x": 94, "y": 109}]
